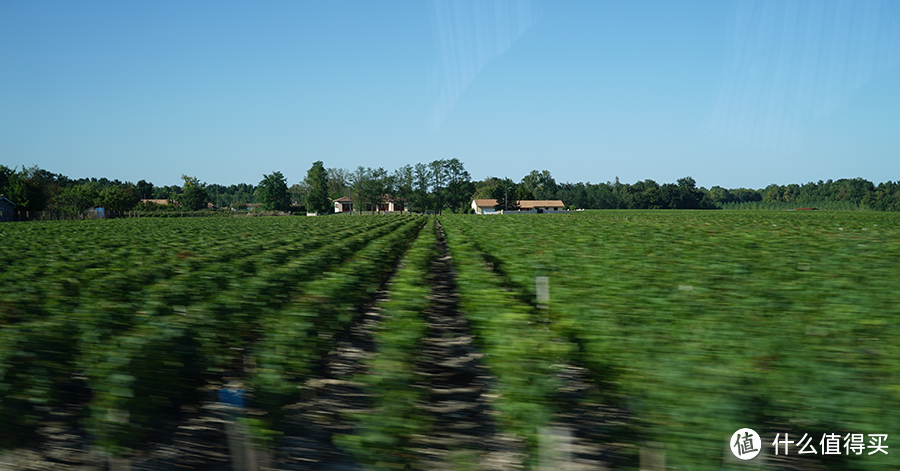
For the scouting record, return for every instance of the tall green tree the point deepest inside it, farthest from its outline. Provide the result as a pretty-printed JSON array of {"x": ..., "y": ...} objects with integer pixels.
[
  {"x": 359, "y": 180},
  {"x": 439, "y": 176},
  {"x": 77, "y": 197},
  {"x": 317, "y": 184},
  {"x": 338, "y": 182},
  {"x": 523, "y": 194},
  {"x": 505, "y": 194},
  {"x": 690, "y": 194},
  {"x": 5, "y": 173},
  {"x": 299, "y": 192},
  {"x": 459, "y": 188},
  {"x": 485, "y": 188},
  {"x": 193, "y": 194},
  {"x": 31, "y": 188},
  {"x": 369, "y": 187},
  {"x": 540, "y": 185},
  {"x": 772, "y": 193},
  {"x": 118, "y": 198},
  {"x": 375, "y": 186},
  {"x": 669, "y": 196},
  {"x": 272, "y": 193},
  {"x": 404, "y": 181},
  {"x": 144, "y": 189},
  {"x": 422, "y": 183}
]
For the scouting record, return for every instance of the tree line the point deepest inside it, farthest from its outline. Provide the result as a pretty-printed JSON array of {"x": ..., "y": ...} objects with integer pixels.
[{"x": 440, "y": 186}]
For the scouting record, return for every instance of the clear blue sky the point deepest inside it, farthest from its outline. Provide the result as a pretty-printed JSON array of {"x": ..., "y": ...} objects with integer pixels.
[{"x": 742, "y": 93}]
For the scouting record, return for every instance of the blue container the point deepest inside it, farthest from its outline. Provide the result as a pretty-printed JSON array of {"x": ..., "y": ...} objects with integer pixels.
[{"x": 232, "y": 397}]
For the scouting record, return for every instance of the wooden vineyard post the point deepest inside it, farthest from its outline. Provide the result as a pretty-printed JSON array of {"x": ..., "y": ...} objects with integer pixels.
[
  {"x": 542, "y": 289},
  {"x": 555, "y": 453},
  {"x": 244, "y": 457},
  {"x": 119, "y": 464},
  {"x": 238, "y": 448},
  {"x": 115, "y": 463},
  {"x": 653, "y": 457}
]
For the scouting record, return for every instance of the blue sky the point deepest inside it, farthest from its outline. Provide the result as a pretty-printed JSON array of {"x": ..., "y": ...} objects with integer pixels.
[{"x": 743, "y": 93}]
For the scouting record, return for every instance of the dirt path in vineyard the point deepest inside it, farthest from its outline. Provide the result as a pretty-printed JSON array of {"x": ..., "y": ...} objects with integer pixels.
[
  {"x": 465, "y": 430},
  {"x": 449, "y": 367}
]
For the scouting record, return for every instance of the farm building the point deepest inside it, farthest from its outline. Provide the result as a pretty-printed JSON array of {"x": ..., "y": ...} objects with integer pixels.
[
  {"x": 388, "y": 203},
  {"x": 343, "y": 204},
  {"x": 7, "y": 209},
  {"x": 486, "y": 206},
  {"x": 391, "y": 203}
]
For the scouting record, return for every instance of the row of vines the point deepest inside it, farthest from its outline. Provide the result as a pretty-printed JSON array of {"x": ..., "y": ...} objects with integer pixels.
[
  {"x": 703, "y": 323},
  {"x": 696, "y": 324},
  {"x": 137, "y": 317}
]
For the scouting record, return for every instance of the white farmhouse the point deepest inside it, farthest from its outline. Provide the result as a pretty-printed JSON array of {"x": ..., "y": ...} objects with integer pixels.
[{"x": 486, "y": 206}]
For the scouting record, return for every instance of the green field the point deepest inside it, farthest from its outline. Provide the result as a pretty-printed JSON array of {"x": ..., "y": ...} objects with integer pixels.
[
  {"x": 707, "y": 322},
  {"x": 694, "y": 324}
]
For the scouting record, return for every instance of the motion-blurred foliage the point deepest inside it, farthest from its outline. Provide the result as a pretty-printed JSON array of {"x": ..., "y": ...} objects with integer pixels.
[{"x": 702, "y": 323}]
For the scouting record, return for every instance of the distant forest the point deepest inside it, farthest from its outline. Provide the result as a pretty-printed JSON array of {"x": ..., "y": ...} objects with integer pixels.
[{"x": 440, "y": 186}]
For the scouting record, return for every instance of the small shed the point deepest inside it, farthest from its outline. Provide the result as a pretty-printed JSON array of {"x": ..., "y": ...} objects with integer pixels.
[
  {"x": 484, "y": 206},
  {"x": 343, "y": 204},
  {"x": 7, "y": 209},
  {"x": 392, "y": 203}
]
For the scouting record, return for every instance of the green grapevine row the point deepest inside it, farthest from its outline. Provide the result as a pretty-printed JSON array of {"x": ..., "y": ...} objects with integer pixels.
[
  {"x": 299, "y": 335},
  {"x": 384, "y": 436},
  {"x": 520, "y": 352},
  {"x": 105, "y": 314},
  {"x": 205, "y": 333},
  {"x": 708, "y": 322},
  {"x": 117, "y": 274},
  {"x": 146, "y": 349}
]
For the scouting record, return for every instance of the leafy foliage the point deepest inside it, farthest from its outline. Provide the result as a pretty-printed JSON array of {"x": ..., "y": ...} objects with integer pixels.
[
  {"x": 539, "y": 185},
  {"x": 713, "y": 321},
  {"x": 384, "y": 437},
  {"x": 317, "y": 180},
  {"x": 193, "y": 196},
  {"x": 520, "y": 352},
  {"x": 150, "y": 324},
  {"x": 272, "y": 193},
  {"x": 505, "y": 194}
]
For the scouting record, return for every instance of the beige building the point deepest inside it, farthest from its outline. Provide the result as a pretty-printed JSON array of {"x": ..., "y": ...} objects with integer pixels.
[
  {"x": 388, "y": 203},
  {"x": 486, "y": 206}
]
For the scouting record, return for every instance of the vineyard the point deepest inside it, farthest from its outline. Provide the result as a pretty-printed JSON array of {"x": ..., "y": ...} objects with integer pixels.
[
  {"x": 702, "y": 323},
  {"x": 462, "y": 342}
]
